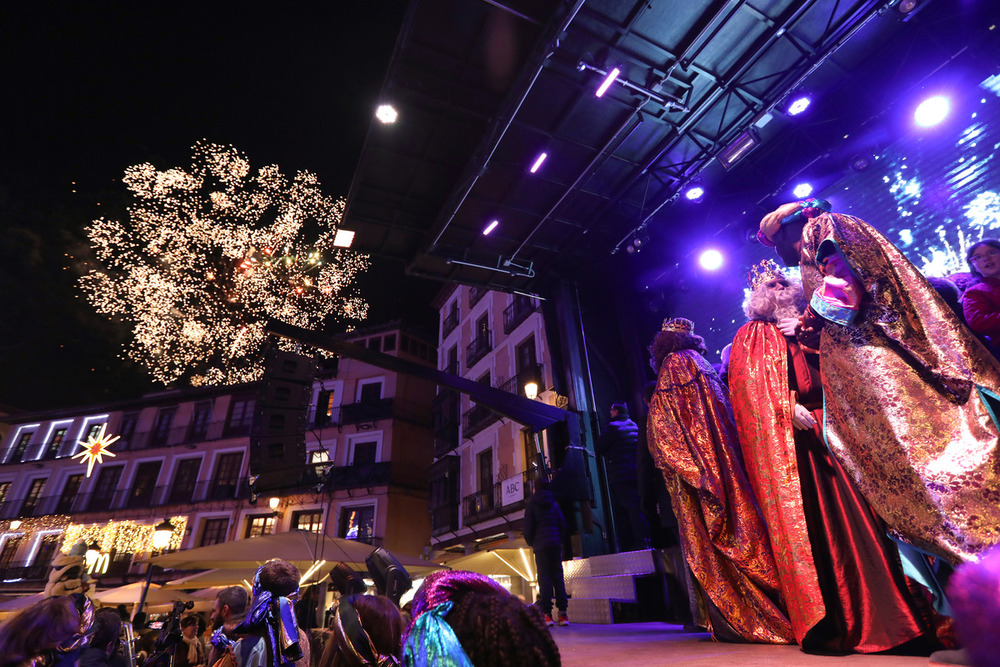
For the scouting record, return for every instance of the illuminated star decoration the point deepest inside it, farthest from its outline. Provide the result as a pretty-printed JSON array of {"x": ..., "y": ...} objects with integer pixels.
[
  {"x": 207, "y": 254},
  {"x": 95, "y": 448}
]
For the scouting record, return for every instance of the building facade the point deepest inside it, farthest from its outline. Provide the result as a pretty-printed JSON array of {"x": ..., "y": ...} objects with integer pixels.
[
  {"x": 484, "y": 464},
  {"x": 184, "y": 455}
]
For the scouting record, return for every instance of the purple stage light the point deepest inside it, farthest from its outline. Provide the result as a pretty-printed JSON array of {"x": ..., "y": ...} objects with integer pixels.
[
  {"x": 538, "y": 162},
  {"x": 711, "y": 260},
  {"x": 490, "y": 227},
  {"x": 802, "y": 190},
  {"x": 932, "y": 111},
  {"x": 695, "y": 193},
  {"x": 608, "y": 80},
  {"x": 799, "y": 105}
]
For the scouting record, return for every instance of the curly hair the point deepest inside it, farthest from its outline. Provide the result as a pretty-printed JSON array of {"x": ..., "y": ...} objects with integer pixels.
[
  {"x": 493, "y": 627},
  {"x": 769, "y": 306},
  {"x": 499, "y": 630},
  {"x": 668, "y": 342}
]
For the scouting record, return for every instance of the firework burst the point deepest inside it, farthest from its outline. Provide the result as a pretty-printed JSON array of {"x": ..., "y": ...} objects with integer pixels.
[{"x": 207, "y": 255}]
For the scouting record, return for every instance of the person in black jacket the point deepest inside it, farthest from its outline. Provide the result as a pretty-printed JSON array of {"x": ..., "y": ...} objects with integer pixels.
[
  {"x": 544, "y": 527},
  {"x": 619, "y": 444}
]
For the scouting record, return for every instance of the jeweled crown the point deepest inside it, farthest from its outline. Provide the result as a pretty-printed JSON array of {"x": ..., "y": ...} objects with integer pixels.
[
  {"x": 763, "y": 271},
  {"x": 678, "y": 325}
]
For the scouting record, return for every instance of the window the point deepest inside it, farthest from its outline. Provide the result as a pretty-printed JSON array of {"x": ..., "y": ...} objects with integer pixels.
[
  {"x": 324, "y": 408},
  {"x": 199, "y": 421},
  {"x": 185, "y": 480},
  {"x": 375, "y": 343},
  {"x": 453, "y": 361},
  {"x": 145, "y": 484},
  {"x": 389, "y": 343},
  {"x": 22, "y": 444},
  {"x": 164, "y": 422},
  {"x": 214, "y": 531},
  {"x": 104, "y": 490},
  {"x": 311, "y": 520},
  {"x": 227, "y": 475},
  {"x": 364, "y": 453},
  {"x": 129, "y": 422},
  {"x": 52, "y": 450},
  {"x": 4, "y": 488},
  {"x": 371, "y": 392},
  {"x": 69, "y": 494},
  {"x": 46, "y": 550},
  {"x": 93, "y": 431},
  {"x": 260, "y": 525},
  {"x": 240, "y": 416},
  {"x": 10, "y": 546},
  {"x": 486, "y": 470},
  {"x": 31, "y": 498},
  {"x": 525, "y": 351},
  {"x": 357, "y": 523}
]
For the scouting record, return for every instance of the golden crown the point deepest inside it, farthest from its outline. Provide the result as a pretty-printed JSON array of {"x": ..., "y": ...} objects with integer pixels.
[
  {"x": 763, "y": 271},
  {"x": 678, "y": 325}
]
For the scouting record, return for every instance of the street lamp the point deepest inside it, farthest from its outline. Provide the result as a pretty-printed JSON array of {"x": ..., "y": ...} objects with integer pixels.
[
  {"x": 161, "y": 540},
  {"x": 531, "y": 390},
  {"x": 162, "y": 534}
]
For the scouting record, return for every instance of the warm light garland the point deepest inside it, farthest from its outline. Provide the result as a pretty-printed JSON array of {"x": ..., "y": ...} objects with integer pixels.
[
  {"x": 122, "y": 536},
  {"x": 207, "y": 255}
]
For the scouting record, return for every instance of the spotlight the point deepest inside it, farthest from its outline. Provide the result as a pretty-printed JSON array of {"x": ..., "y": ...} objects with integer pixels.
[
  {"x": 608, "y": 80},
  {"x": 932, "y": 111},
  {"x": 386, "y": 114},
  {"x": 490, "y": 227},
  {"x": 738, "y": 149},
  {"x": 860, "y": 162},
  {"x": 802, "y": 190},
  {"x": 711, "y": 260},
  {"x": 695, "y": 193},
  {"x": 798, "y": 105},
  {"x": 538, "y": 162},
  {"x": 343, "y": 238}
]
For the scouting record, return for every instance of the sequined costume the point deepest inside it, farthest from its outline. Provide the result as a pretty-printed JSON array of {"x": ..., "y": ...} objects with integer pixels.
[
  {"x": 840, "y": 576},
  {"x": 905, "y": 388},
  {"x": 693, "y": 441}
]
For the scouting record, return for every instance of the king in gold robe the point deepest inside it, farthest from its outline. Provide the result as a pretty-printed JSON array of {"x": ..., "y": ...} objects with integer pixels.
[
  {"x": 693, "y": 441},
  {"x": 907, "y": 388}
]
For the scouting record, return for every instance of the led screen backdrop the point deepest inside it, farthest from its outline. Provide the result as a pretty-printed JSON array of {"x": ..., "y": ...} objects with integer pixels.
[{"x": 933, "y": 192}]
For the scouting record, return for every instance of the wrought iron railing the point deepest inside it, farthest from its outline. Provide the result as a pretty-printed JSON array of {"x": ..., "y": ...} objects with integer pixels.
[
  {"x": 517, "y": 312},
  {"x": 478, "y": 348}
]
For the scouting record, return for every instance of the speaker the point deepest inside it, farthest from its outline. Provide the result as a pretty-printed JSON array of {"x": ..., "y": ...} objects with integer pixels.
[{"x": 277, "y": 434}]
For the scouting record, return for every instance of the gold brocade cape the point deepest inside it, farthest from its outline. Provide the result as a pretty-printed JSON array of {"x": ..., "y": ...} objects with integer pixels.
[
  {"x": 693, "y": 441},
  {"x": 759, "y": 389},
  {"x": 903, "y": 410}
]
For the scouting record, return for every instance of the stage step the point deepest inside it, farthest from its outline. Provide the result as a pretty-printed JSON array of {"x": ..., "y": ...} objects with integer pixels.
[{"x": 625, "y": 587}]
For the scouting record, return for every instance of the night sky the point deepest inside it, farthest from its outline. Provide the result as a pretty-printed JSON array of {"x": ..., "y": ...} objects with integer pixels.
[{"x": 89, "y": 90}]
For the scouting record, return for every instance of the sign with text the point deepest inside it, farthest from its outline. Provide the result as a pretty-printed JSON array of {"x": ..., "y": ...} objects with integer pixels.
[{"x": 513, "y": 490}]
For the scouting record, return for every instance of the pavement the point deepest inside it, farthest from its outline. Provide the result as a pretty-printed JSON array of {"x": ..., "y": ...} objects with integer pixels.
[{"x": 648, "y": 644}]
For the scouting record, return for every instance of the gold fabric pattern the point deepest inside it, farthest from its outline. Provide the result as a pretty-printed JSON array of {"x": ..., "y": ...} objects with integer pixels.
[
  {"x": 692, "y": 438},
  {"x": 902, "y": 413}
]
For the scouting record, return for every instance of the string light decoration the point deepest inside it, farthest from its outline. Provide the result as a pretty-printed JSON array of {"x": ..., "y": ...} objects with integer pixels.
[
  {"x": 122, "y": 536},
  {"x": 95, "y": 448},
  {"x": 207, "y": 255}
]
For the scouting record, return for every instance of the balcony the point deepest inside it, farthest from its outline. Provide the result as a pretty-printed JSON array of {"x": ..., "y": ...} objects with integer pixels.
[
  {"x": 481, "y": 505},
  {"x": 476, "y": 419},
  {"x": 444, "y": 519},
  {"x": 449, "y": 323},
  {"x": 356, "y": 413},
  {"x": 515, "y": 385},
  {"x": 348, "y": 477},
  {"x": 517, "y": 312},
  {"x": 478, "y": 348}
]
